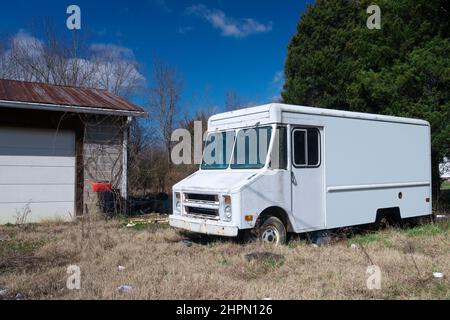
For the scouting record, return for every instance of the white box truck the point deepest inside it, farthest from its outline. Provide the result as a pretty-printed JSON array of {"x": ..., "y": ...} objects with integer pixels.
[{"x": 282, "y": 168}]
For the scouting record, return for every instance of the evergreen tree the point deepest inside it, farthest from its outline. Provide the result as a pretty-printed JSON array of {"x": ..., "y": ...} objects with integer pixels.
[{"x": 403, "y": 69}]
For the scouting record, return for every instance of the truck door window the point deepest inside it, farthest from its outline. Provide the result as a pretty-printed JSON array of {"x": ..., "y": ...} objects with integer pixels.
[
  {"x": 306, "y": 147},
  {"x": 278, "y": 159}
]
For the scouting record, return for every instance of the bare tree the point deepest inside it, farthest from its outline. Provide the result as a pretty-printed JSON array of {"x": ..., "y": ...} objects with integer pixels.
[
  {"x": 5, "y": 71},
  {"x": 165, "y": 98},
  {"x": 47, "y": 58},
  {"x": 164, "y": 109},
  {"x": 116, "y": 69},
  {"x": 145, "y": 158},
  {"x": 234, "y": 102}
]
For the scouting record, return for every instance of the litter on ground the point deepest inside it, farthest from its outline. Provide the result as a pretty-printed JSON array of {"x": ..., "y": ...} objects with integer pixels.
[
  {"x": 186, "y": 243},
  {"x": 153, "y": 218},
  {"x": 125, "y": 289}
]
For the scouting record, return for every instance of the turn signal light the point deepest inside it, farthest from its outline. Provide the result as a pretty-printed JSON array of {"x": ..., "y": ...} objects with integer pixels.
[
  {"x": 249, "y": 218},
  {"x": 227, "y": 200}
]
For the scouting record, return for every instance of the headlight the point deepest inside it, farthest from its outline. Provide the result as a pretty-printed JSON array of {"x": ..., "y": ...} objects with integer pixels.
[
  {"x": 228, "y": 213},
  {"x": 178, "y": 206}
]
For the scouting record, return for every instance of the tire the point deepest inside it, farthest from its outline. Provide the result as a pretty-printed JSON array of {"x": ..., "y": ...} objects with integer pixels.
[{"x": 272, "y": 231}]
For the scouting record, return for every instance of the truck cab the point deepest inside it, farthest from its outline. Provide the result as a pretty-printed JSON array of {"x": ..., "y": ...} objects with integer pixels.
[{"x": 247, "y": 178}]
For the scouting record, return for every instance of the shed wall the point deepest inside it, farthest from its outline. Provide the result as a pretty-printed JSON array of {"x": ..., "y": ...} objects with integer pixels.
[{"x": 102, "y": 156}]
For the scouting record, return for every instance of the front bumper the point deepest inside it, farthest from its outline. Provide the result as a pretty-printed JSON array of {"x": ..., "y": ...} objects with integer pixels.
[{"x": 203, "y": 226}]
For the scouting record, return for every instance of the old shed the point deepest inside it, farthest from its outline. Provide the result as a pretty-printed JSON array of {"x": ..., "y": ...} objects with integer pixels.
[{"x": 55, "y": 141}]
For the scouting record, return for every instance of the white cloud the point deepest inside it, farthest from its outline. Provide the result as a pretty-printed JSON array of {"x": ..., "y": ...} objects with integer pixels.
[
  {"x": 278, "y": 78},
  {"x": 230, "y": 27},
  {"x": 277, "y": 86},
  {"x": 111, "y": 50}
]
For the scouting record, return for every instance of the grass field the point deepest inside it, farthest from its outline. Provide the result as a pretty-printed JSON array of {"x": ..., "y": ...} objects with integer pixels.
[{"x": 34, "y": 261}]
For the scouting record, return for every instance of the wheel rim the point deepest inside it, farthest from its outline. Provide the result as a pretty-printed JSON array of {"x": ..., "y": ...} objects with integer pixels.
[{"x": 271, "y": 235}]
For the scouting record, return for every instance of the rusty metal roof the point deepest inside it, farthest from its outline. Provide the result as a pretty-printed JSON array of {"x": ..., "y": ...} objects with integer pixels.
[{"x": 41, "y": 93}]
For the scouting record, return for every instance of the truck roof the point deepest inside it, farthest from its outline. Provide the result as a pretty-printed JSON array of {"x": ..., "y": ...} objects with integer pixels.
[{"x": 272, "y": 113}]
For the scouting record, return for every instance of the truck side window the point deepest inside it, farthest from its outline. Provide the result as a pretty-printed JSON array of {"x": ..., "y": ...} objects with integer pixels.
[
  {"x": 279, "y": 154},
  {"x": 306, "y": 147}
]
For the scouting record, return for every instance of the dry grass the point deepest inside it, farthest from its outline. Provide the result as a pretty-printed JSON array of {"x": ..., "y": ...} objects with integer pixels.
[{"x": 34, "y": 260}]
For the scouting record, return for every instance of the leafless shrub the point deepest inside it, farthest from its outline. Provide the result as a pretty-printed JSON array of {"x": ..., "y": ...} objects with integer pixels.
[{"x": 22, "y": 215}]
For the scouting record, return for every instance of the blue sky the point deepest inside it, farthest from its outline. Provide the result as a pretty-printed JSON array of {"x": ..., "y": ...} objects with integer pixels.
[{"x": 218, "y": 45}]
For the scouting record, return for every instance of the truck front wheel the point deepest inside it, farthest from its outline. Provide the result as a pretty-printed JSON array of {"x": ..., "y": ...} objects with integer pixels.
[{"x": 272, "y": 231}]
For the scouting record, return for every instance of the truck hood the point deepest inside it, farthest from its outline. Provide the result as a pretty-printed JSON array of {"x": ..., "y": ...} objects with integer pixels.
[{"x": 216, "y": 181}]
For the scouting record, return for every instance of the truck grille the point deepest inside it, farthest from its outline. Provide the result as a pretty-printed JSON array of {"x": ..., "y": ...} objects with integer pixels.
[
  {"x": 202, "y": 205},
  {"x": 202, "y": 212}
]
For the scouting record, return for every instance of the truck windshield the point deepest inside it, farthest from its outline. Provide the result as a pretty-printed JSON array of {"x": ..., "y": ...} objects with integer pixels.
[
  {"x": 251, "y": 148},
  {"x": 218, "y": 150},
  {"x": 248, "y": 148}
]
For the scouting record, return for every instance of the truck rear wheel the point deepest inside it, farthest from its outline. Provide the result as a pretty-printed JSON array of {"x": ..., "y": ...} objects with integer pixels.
[{"x": 273, "y": 231}]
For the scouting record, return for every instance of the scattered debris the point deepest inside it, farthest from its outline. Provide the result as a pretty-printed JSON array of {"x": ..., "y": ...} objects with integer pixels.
[
  {"x": 121, "y": 268},
  {"x": 3, "y": 292},
  {"x": 314, "y": 245},
  {"x": 18, "y": 296},
  {"x": 131, "y": 225},
  {"x": 186, "y": 243},
  {"x": 320, "y": 238},
  {"x": 267, "y": 299},
  {"x": 125, "y": 289},
  {"x": 438, "y": 275},
  {"x": 259, "y": 256},
  {"x": 441, "y": 217},
  {"x": 354, "y": 246},
  {"x": 148, "y": 219}
]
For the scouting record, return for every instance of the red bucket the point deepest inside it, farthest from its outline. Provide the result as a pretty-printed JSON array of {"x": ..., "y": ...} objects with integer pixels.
[{"x": 101, "y": 186}]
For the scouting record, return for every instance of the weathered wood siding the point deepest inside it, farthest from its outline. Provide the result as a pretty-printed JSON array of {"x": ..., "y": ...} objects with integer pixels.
[{"x": 102, "y": 156}]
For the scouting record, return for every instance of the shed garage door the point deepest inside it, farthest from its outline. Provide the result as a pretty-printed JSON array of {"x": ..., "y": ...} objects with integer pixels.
[{"x": 37, "y": 174}]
